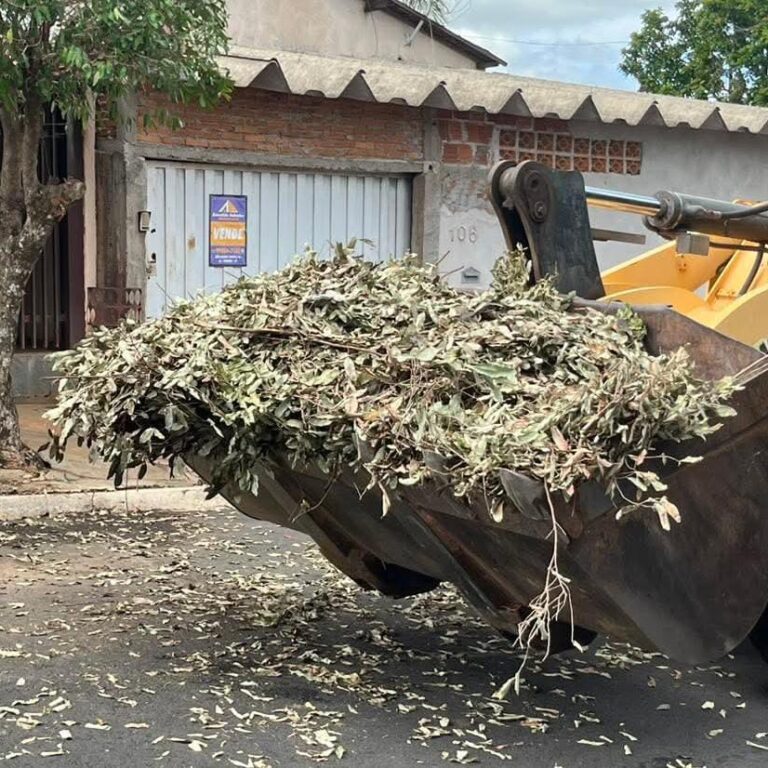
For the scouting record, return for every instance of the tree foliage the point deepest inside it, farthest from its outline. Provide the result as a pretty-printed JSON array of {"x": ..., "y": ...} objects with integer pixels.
[
  {"x": 62, "y": 51},
  {"x": 71, "y": 55},
  {"x": 709, "y": 49}
]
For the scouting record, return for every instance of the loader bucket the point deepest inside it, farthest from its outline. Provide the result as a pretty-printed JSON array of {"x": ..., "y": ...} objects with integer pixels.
[{"x": 694, "y": 592}]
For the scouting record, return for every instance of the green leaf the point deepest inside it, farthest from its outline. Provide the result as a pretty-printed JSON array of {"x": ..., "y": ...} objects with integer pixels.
[{"x": 707, "y": 49}]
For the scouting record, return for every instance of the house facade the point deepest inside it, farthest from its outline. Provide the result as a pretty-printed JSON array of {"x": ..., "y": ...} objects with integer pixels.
[{"x": 361, "y": 119}]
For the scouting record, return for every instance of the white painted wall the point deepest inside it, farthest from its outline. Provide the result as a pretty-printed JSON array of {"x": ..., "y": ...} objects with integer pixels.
[
  {"x": 470, "y": 236},
  {"x": 714, "y": 164},
  {"x": 337, "y": 28}
]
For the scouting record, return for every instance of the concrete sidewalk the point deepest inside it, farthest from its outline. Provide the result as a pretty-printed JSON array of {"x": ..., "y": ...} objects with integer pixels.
[{"x": 79, "y": 484}]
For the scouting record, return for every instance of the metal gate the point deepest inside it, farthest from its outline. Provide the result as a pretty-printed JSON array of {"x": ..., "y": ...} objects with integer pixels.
[
  {"x": 44, "y": 319},
  {"x": 286, "y": 212}
]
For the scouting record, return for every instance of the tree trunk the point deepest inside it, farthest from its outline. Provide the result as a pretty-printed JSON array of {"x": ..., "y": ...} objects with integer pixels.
[
  {"x": 12, "y": 449},
  {"x": 29, "y": 210}
]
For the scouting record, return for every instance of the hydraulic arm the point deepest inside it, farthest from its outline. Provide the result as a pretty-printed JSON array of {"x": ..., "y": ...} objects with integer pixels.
[{"x": 712, "y": 269}]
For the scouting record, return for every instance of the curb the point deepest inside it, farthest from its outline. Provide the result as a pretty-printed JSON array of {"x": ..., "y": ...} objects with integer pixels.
[{"x": 19, "y": 507}]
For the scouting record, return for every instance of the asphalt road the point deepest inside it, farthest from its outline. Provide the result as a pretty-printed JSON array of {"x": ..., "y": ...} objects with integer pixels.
[{"x": 209, "y": 639}]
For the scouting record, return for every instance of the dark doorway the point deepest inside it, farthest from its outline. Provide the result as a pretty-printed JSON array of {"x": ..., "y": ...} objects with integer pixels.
[{"x": 52, "y": 314}]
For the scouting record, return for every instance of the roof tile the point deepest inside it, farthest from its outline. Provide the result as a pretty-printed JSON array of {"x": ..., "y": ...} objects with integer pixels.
[{"x": 464, "y": 90}]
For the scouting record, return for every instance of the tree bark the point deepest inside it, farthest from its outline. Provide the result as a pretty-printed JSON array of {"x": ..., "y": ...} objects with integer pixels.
[
  {"x": 28, "y": 212},
  {"x": 13, "y": 280},
  {"x": 12, "y": 449}
]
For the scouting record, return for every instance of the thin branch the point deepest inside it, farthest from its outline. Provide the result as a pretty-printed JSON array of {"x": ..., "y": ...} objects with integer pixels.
[
  {"x": 554, "y": 599},
  {"x": 287, "y": 333}
]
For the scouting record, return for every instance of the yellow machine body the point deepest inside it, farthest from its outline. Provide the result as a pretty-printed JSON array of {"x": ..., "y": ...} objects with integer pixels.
[{"x": 714, "y": 290}]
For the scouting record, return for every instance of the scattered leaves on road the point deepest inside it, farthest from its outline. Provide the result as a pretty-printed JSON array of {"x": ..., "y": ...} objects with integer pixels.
[{"x": 208, "y": 637}]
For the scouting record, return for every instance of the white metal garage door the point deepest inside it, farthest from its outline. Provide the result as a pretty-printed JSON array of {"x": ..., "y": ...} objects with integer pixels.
[{"x": 286, "y": 211}]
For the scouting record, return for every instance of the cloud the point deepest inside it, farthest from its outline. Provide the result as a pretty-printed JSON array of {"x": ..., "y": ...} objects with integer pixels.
[{"x": 496, "y": 24}]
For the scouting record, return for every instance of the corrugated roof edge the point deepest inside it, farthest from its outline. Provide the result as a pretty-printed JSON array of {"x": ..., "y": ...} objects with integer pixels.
[{"x": 465, "y": 90}]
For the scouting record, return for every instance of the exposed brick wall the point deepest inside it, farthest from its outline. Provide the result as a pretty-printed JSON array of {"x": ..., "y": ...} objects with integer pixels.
[
  {"x": 476, "y": 138},
  {"x": 281, "y": 124},
  {"x": 466, "y": 137}
]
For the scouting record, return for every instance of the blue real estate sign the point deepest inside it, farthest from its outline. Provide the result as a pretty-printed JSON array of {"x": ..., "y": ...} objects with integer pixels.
[{"x": 228, "y": 235}]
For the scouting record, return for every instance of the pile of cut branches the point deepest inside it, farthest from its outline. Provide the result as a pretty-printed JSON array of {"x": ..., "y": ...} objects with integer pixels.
[
  {"x": 309, "y": 363},
  {"x": 302, "y": 364}
]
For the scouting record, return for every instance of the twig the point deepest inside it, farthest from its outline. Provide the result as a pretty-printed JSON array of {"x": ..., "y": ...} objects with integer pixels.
[
  {"x": 286, "y": 333},
  {"x": 545, "y": 608}
]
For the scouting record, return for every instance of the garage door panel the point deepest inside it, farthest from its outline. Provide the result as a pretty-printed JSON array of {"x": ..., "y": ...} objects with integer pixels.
[
  {"x": 213, "y": 185},
  {"x": 383, "y": 217},
  {"x": 252, "y": 190},
  {"x": 196, "y": 259},
  {"x": 269, "y": 222},
  {"x": 305, "y": 211},
  {"x": 175, "y": 283},
  {"x": 338, "y": 203},
  {"x": 155, "y": 244},
  {"x": 355, "y": 202},
  {"x": 371, "y": 216},
  {"x": 233, "y": 182},
  {"x": 321, "y": 214},
  {"x": 403, "y": 213},
  {"x": 286, "y": 212},
  {"x": 391, "y": 200}
]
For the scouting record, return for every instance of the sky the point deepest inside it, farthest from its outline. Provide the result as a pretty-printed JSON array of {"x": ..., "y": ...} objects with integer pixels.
[{"x": 497, "y": 24}]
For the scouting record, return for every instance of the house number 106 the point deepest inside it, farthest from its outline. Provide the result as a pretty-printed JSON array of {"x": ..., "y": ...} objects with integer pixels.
[{"x": 464, "y": 234}]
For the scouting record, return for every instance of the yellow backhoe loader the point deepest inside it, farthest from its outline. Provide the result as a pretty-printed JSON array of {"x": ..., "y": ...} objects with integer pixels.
[{"x": 694, "y": 592}]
